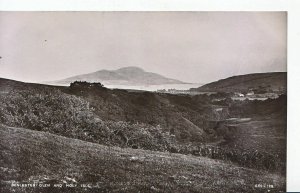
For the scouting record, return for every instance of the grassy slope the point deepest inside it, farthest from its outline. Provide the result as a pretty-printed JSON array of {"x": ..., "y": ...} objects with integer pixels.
[
  {"x": 266, "y": 131},
  {"x": 28, "y": 155},
  {"x": 243, "y": 82},
  {"x": 55, "y": 110}
]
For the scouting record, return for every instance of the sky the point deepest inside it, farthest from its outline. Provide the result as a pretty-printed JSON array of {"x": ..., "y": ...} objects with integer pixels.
[{"x": 196, "y": 47}]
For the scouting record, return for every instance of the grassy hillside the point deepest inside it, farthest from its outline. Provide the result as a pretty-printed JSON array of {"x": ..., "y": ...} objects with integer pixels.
[
  {"x": 261, "y": 82},
  {"x": 161, "y": 122},
  {"x": 29, "y": 156}
]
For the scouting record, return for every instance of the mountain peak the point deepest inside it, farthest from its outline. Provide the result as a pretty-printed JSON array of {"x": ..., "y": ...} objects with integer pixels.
[{"x": 131, "y": 69}]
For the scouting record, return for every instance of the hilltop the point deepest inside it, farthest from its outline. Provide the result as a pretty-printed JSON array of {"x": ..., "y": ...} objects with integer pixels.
[
  {"x": 261, "y": 82},
  {"x": 123, "y": 76}
]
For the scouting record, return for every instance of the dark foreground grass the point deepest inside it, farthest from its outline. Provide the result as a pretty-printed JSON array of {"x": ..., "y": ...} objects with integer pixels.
[{"x": 33, "y": 157}]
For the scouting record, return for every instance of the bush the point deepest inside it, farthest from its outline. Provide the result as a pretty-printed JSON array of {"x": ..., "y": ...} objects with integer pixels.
[{"x": 56, "y": 112}]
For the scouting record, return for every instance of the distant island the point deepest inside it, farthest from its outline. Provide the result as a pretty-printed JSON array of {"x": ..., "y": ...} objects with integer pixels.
[{"x": 130, "y": 76}]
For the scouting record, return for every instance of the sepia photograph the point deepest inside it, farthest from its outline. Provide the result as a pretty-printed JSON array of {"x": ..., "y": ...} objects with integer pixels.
[{"x": 143, "y": 101}]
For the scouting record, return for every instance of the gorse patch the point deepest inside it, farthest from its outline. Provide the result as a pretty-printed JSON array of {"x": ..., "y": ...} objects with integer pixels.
[{"x": 71, "y": 116}]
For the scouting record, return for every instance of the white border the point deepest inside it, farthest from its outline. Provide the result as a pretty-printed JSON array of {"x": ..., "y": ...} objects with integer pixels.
[
  {"x": 292, "y": 6},
  {"x": 147, "y": 5}
]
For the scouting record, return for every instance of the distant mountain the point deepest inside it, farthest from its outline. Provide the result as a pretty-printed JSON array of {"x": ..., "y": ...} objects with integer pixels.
[
  {"x": 272, "y": 81},
  {"x": 123, "y": 76}
]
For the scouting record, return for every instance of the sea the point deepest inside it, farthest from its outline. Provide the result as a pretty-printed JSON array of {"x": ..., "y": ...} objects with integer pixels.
[{"x": 156, "y": 87}]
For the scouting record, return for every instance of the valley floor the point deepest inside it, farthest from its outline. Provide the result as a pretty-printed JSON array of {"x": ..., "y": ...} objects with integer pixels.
[{"x": 31, "y": 157}]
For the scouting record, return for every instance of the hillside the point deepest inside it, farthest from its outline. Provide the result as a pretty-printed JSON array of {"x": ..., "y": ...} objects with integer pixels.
[
  {"x": 250, "y": 134},
  {"x": 260, "y": 82},
  {"x": 29, "y": 157},
  {"x": 123, "y": 76},
  {"x": 152, "y": 121}
]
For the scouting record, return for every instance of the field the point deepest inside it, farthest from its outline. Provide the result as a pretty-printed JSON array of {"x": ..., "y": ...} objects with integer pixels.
[{"x": 261, "y": 135}]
